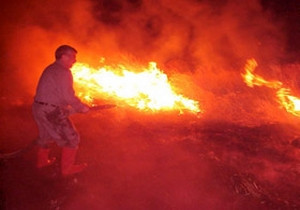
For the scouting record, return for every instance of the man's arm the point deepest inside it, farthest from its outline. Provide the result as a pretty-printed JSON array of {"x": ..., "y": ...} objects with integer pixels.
[{"x": 70, "y": 97}]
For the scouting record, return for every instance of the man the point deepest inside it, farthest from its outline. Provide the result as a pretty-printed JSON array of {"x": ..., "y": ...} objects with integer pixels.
[{"x": 54, "y": 101}]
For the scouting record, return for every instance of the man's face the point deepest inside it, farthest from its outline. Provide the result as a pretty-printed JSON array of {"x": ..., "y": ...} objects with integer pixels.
[{"x": 69, "y": 59}]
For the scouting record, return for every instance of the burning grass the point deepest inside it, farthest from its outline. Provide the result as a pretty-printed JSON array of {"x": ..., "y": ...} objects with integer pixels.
[
  {"x": 284, "y": 94},
  {"x": 147, "y": 90}
]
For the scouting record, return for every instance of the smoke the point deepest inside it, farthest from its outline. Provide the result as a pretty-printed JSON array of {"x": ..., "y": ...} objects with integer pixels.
[{"x": 208, "y": 41}]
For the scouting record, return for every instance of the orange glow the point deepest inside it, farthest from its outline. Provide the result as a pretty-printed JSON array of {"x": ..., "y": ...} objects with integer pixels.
[
  {"x": 146, "y": 90},
  {"x": 289, "y": 102}
]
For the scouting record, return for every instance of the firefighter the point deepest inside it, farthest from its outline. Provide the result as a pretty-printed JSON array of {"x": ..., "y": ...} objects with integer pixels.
[{"x": 54, "y": 101}]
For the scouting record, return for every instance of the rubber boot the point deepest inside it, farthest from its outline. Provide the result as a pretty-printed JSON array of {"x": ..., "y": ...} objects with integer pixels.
[
  {"x": 43, "y": 158},
  {"x": 68, "y": 166}
]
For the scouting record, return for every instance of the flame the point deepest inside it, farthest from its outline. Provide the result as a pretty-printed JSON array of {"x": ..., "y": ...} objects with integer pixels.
[
  {"x": 289, "y": 102},
  {"x": 146, "y": 90},
  {"x": 252, "y": 79}
]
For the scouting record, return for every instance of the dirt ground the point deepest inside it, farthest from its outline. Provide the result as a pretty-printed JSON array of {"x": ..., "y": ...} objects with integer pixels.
[{"x": 165, "y": 161}]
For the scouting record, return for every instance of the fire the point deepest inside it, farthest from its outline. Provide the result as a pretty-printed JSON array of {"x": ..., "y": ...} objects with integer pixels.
[
  {"x": 289, "y": 102},
  {"x": 252, "y": 79},
  {"x": 145, "y": 90}
]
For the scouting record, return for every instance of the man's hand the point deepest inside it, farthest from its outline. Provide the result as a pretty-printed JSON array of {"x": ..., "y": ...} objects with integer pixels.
[{"x": 85, "y": 109}]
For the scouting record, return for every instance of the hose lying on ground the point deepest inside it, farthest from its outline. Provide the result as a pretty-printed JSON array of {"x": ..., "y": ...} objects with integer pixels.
[{"x": 19, "y": 152}]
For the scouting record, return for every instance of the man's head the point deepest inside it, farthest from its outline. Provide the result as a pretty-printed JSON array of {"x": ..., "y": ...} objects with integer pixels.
[{"x": 66, "y": 55}]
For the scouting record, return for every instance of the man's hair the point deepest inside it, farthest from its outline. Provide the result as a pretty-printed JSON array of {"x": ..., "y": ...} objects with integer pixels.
[{"x": 63, "y": 49}]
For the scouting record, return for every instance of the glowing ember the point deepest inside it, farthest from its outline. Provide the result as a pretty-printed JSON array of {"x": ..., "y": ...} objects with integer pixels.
[
  {"x": 146, "y": 90},
  {"x": 289, "y": 102}
]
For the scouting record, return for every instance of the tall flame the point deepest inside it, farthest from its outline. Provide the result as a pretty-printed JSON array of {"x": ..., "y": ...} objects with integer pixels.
[
  {"x": 289, "y": 102},
  {"x": 146, "y": 90}
]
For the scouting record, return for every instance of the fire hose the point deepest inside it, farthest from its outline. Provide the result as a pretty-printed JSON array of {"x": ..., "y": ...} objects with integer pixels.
[{"x": 29, "y": 146}]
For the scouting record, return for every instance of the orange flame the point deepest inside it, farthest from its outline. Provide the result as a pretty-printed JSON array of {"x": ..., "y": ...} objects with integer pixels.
[
  {"x": 146, "y": 90},
  {"x": 289, "y": 102},
  {"x": 252, "y": 79}
]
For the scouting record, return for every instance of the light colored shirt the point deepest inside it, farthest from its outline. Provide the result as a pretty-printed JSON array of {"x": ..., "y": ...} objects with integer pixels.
[{"x": 56, "y": 87}]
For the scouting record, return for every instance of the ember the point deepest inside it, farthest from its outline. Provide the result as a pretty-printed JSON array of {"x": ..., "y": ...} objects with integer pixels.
[
  {"x": 146, "y": 90},
  {"x": 289, "y": 102}
]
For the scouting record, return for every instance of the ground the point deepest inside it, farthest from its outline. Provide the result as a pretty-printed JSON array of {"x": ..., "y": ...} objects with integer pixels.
[{"x": 154, "y": 161}]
